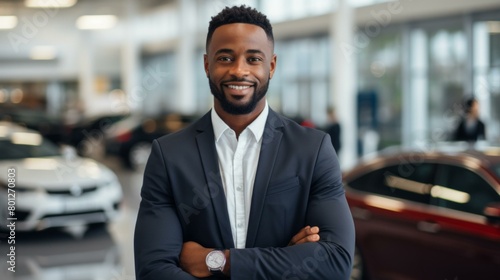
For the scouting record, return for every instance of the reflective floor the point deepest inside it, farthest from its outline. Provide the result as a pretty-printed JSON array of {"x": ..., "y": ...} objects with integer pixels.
[{"x": 93, "y": 253}]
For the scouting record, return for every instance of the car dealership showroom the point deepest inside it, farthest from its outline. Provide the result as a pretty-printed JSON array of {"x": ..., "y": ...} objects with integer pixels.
[{"x": 407, "y": 90}]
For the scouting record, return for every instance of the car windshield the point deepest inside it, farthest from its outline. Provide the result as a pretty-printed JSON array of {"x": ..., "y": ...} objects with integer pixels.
[{"x": 25, "y": 148}]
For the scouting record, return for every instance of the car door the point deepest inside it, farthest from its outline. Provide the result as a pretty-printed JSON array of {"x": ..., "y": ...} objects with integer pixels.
[
  {"x": 389, "y": 205},
  {"x": 465, "y": 245}
]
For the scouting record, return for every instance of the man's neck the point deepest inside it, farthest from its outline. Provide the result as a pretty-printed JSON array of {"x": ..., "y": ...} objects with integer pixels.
[{"x": 239, "y": 122}]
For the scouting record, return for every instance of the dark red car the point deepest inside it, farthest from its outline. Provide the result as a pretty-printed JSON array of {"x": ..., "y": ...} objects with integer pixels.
[{"x": 427, "y": 215}]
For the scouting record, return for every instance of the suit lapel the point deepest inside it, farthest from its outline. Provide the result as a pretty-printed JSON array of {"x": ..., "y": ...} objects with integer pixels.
[
  {"x": 208, "y": 154},
  {"x": 268, "y": 152}
]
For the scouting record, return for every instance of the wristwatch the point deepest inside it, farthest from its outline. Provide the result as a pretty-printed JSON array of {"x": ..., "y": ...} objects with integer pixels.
[{"x": 215, "y": 262}]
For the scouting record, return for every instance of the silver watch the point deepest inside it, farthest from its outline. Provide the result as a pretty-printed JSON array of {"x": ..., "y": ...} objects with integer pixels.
[{"x": 215, "y": 262}]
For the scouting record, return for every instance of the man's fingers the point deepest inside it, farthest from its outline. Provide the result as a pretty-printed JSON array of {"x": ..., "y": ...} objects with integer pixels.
[
  {"x": 309, "y": 238},
  {"x": 300, "y": 235},
  {"x": 313, "y": 230},
  {"x": 307, "y": 234}
]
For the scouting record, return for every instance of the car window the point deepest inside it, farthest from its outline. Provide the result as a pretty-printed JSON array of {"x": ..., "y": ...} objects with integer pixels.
[
  {"x": 406, "y": 181},
  {"x": 11, "y": 150},
  {"x": 462, "y": 189},
  {"x": 496, "y": 170}
]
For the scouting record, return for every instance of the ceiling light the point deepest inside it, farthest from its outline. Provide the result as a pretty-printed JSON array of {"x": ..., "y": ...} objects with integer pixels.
[
  {"x": 8, "y": 22},
  {"x": 96, "y": 22},
  {"x": 43, "y": 53},
  {"x": 49, "y": 3}
]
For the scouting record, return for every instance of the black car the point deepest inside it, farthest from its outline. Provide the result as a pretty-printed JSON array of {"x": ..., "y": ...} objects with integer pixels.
[
  {"x": 48, "y": 126},
  {"x": 85, "y": 134},
  {"x": 131, "y": 138}
]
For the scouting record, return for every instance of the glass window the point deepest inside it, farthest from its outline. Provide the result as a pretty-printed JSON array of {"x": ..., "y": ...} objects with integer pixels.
[
  {"x": 407, "y": 181},
  {"x": 438, "y": 76},
  {"x": 486, "y": 72},
  {"x": 156, "y": 93},
  {"x": 462, "y": 189},
  {"x": 380, "y": 74},
  {"x": 301, "y": 78}
]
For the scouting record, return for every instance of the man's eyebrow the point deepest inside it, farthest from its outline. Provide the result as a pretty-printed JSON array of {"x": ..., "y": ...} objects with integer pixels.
[
  {"x": 230, "y": 51},
  {"x": 224, "y": 51},
  {"x": 254, "y": 51}
]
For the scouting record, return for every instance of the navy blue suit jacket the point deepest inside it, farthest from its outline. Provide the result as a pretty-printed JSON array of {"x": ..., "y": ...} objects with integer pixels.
[{"x": 298, "y": 183}]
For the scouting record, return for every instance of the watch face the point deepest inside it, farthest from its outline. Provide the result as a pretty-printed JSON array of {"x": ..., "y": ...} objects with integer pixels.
[{"x": 215, "y": 259}]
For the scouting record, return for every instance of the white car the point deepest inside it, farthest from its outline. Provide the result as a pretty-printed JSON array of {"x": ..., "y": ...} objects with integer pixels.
[{"x": 41, "y": 187}]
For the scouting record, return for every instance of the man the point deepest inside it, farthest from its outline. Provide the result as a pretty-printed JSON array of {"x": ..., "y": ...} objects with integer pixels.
[
  {"x": 333, "y": 129},
  {"x": 243, "y": 192},
  {"x": 470, "y": 128}
]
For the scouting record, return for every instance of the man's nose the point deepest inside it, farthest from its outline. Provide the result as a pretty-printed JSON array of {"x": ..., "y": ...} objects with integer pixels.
[{"x": 240, "y": 68}]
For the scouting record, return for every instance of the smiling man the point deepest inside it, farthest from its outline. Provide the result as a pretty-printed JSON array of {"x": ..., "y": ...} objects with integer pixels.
[{"x": 243, "y": 192}]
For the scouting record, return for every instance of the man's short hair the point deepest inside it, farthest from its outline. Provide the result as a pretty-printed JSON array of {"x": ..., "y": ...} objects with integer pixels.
[
  {"x": 469, "y": 102},
  {"x": 241, "y": 14}
]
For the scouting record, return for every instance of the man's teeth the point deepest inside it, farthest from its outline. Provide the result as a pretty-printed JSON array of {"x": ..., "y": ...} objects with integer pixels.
[{"x": 238, "y": 87}]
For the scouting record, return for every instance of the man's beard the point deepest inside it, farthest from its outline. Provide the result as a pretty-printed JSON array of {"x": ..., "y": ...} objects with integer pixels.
[{"x": 235, "y": 109}]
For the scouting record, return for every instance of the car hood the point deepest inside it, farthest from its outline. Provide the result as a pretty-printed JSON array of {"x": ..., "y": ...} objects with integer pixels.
[{"x": 55, "y": 173}]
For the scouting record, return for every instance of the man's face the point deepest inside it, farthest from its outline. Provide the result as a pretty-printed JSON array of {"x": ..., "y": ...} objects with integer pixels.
[
  {"x": 239, "y": 64},
  {"x": 474, "y": 109}
]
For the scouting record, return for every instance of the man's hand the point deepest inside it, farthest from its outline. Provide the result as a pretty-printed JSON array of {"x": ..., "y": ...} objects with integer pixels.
[
  {"x": 192, "y": 259},
  {"x": 307, "y": 234}
]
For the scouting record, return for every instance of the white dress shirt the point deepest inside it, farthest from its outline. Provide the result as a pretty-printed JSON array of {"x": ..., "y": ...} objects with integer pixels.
[{"x": 238, "y": 160}]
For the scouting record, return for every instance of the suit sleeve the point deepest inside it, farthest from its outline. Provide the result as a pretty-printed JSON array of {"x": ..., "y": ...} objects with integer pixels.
[
  {"x": 158, "y": 234},
  {"x": 329, "y": 258}
]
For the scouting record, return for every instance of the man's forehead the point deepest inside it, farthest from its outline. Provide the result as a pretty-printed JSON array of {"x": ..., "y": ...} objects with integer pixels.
[
  {"x": 240, "y": 32},
  {"x": 238, "y": 26}
]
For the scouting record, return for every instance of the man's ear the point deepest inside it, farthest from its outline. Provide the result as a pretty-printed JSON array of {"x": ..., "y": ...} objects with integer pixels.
[
  {"x": 272, "y": 66},
  {"x": 205, "y": 64}
]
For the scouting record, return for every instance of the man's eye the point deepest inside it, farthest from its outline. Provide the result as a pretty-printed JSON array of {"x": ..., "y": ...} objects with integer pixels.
[
  {"x": 224, "y": 58},
  {"x": 255, "y": 59}
]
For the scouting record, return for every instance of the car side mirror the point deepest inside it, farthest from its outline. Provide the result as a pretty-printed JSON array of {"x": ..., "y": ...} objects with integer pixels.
[{"x": 492, "y": 213}]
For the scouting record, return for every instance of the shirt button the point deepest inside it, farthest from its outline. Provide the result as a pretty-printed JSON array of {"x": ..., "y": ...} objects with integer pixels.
[
  {"x": 239, "y": 188},
  {"x": 240, "y": 225}
]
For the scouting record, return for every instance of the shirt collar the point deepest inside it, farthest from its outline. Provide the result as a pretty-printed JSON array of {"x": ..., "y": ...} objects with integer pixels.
[{"x": 256, "y": 127}]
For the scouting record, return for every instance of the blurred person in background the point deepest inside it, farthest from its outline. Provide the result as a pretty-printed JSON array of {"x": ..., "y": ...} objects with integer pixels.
[
  {"x": 243, "y": 192},
  {"x": 333, "y": 129},
  {"x": 470, "y": 128}
]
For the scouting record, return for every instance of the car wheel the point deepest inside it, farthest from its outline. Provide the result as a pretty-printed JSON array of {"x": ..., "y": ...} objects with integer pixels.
[
  {"x": 139, "y": 153},
  {"x": 358, "y": 268}
]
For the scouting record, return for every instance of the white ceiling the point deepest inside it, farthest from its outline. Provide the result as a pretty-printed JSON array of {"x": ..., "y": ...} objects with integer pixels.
[{"x": 56, "y": 27}]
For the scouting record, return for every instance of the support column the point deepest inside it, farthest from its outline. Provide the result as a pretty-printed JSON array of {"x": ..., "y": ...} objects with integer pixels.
[
  {"x": 343, "y": 86},
  {"x": 130, "y": 63},
  {"x": 186, "y": 90},
  {"x": 86, "y": 74},
  {"x": 407, "y": 107},
  {"x": 481, "y": 88},
  {"x": 419, "y": 90}
]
